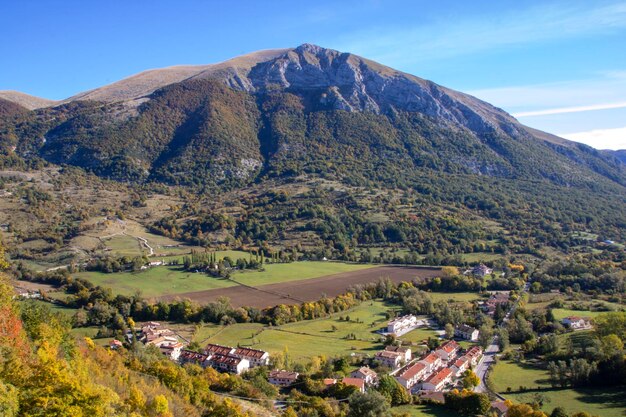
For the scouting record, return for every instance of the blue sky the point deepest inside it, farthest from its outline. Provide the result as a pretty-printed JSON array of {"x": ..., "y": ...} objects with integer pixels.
[{"x": 559, "y": 66}]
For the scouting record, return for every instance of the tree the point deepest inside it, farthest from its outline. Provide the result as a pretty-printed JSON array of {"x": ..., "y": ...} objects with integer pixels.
[
  {"x": 503, "y": 339},
  {"x": 558, "y": 412},
  {"x": 449, "y": 271},
  {"x": 393, "y": 391},
  {"x": 160, "y": 406},
  {"x": 470, "y": 379},
  {"x": 449, "y": 328},
  {"x": 484, "y": 336},
  {"x": 524, "y": 410},
  {"x": 611, "y": 345},
  {"x": 368, "y": 404}
]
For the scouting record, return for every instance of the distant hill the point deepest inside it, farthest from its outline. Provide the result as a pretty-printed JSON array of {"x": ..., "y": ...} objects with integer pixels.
[
  {"x": 619, "y": 154},
  {"x": 26, "y": 100}
]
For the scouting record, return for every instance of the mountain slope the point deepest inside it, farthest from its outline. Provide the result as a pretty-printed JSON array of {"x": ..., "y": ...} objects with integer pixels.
[
  {"x": 306, "y": 110},
  {"x": 26, "y": 100}
]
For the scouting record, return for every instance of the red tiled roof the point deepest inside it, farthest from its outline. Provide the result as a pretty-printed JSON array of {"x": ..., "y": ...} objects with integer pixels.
[
  {"x": 412, "y": 370},
  {"x": 355, "y": 382},
  {"x": 250, "y": 353},
  {"x": 329, "y": 381},
  {"x": 430, "y": 358},
  {"x": 436, "y": 378},
  {"x": 283, "y": 375},
  {"x": 450, "y": 346},
  {"x": 217, "y": 349}
]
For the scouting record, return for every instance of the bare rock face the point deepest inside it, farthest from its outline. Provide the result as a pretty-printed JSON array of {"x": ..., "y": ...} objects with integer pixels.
[{"x": 344, "y": 81}]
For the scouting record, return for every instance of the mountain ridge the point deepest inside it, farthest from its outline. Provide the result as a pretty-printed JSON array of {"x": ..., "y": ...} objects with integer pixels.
[{"x": 291, "y": 111}]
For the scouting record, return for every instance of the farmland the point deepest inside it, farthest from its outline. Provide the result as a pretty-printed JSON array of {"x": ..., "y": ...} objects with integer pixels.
[
  {"x": 603, "y": 402},
  {"x": 306, "y": 289}
]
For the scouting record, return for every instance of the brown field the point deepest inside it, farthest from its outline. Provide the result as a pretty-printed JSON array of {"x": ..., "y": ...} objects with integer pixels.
[{"x": 295, "y": 292}]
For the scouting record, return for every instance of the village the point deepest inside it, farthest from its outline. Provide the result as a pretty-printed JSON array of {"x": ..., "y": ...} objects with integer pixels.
[{"x": 437, "y": 370}]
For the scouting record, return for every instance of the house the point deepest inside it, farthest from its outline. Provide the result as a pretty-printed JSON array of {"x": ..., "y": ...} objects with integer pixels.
[
  {"x": 448, "y": 350},
  {"x": 466, "y": 332},
  {"x": 189, "y": 356},
  {"x": 431, "y": 361},
  {"x": 391, "y": 360},
  {"x": 115, "y": 344},
  {"x": 162, "y": 340},
  {"x": 283, "y": 378},
  {"x": 366, "y": 374},
  {"x": 576, "y": 323},
  {"x": 438, "y": 380},
  {"x": 228, "y": 363},
  {"x": 402, "y": 325},
  {"x": 479, "y": 271},
  {"x": 494, "y": 300},
  {"x": 410, "y": 375},
  {"x": 474, "y": 354},
  {"x": 172, "y": 350},
  {"x": 254, "y": 356},
  {"x": 355, "y": 382},
  {"x": 461, "y": 365},
  {"x": 152, "y": 330},
  {"x": 405, "y": 351},
  {"x": 500, "y": 408},
  {"x": 156, "y": 263}
]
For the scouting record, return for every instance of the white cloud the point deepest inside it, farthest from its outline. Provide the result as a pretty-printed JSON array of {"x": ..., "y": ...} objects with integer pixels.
[
  {"x": 600, "y": 138},
  {"x": 561, "y": 110}
]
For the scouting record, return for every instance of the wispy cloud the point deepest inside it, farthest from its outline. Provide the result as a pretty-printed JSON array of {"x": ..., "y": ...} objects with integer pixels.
[
  {"x": 600, "y": 138},
  {"x": 461, "y": 36},
  {"x": 606, "y": 87},
  {"x": 577, "y": 109}
]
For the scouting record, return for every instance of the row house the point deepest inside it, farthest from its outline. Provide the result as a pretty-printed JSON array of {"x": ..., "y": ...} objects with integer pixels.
[
  {"x": 283, "y": 378},
  {"x": 411, "y": 375},
  {"x": 448, "y": 350},
  {"x": 438, "y": 380},
  {"x": 229, "y": 363},
  {"x": 474, "y": 354},
  {"x": 254, "y": 357},
  {"x": 431, "y": 361},
  {"x": 405, "y": 351},
  {"x": 189, "y": 356},
  {"x": 461, "y": 365}
]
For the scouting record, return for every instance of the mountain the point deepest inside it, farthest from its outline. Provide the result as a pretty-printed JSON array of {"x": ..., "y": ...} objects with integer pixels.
[
  {"x": 25, "y": 100},
  {"x": 287, "y": 112},
  {"x": 620, "y": 154}
]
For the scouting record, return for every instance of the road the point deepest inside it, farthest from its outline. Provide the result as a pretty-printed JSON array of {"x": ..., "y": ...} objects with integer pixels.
[{"x": 490, "y": 353}]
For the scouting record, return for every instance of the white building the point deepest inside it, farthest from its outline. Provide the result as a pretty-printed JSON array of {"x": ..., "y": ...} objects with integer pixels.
[
  {"x": 448, "y": 350},
  {"x": 366, "y": 374},
  {"x": 405, "y": 351},
  {"x": 411, "y": 375},
  {"x": 431, "y": 361},
  {"x": 283, "y": 378},
  {"x": 576, "y": 323},
  {"x": 466, "y": 332},
  {"x": 391, "y": 360},
  {"x": 402, "y": 325},
  {"x": 254, "y": 356},
  {"x": 438, "y": 380}
]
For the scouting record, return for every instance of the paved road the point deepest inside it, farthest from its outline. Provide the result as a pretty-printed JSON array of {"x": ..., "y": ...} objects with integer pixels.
[{"x": 490, "y": 353}]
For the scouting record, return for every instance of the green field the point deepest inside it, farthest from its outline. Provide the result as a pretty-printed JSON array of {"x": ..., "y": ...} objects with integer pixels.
[
  {"x": 155, "y": 282},
  {"x": 164, "y": 280},
  {"x": 454, "y": 296},
  {"x": 419, "y": 335},
  {"x": 602, "y": 402},
  {"x": 300, "y": 338},
  {"x": 295, "y": 271},
  {"x": 561, "y": 313}
]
